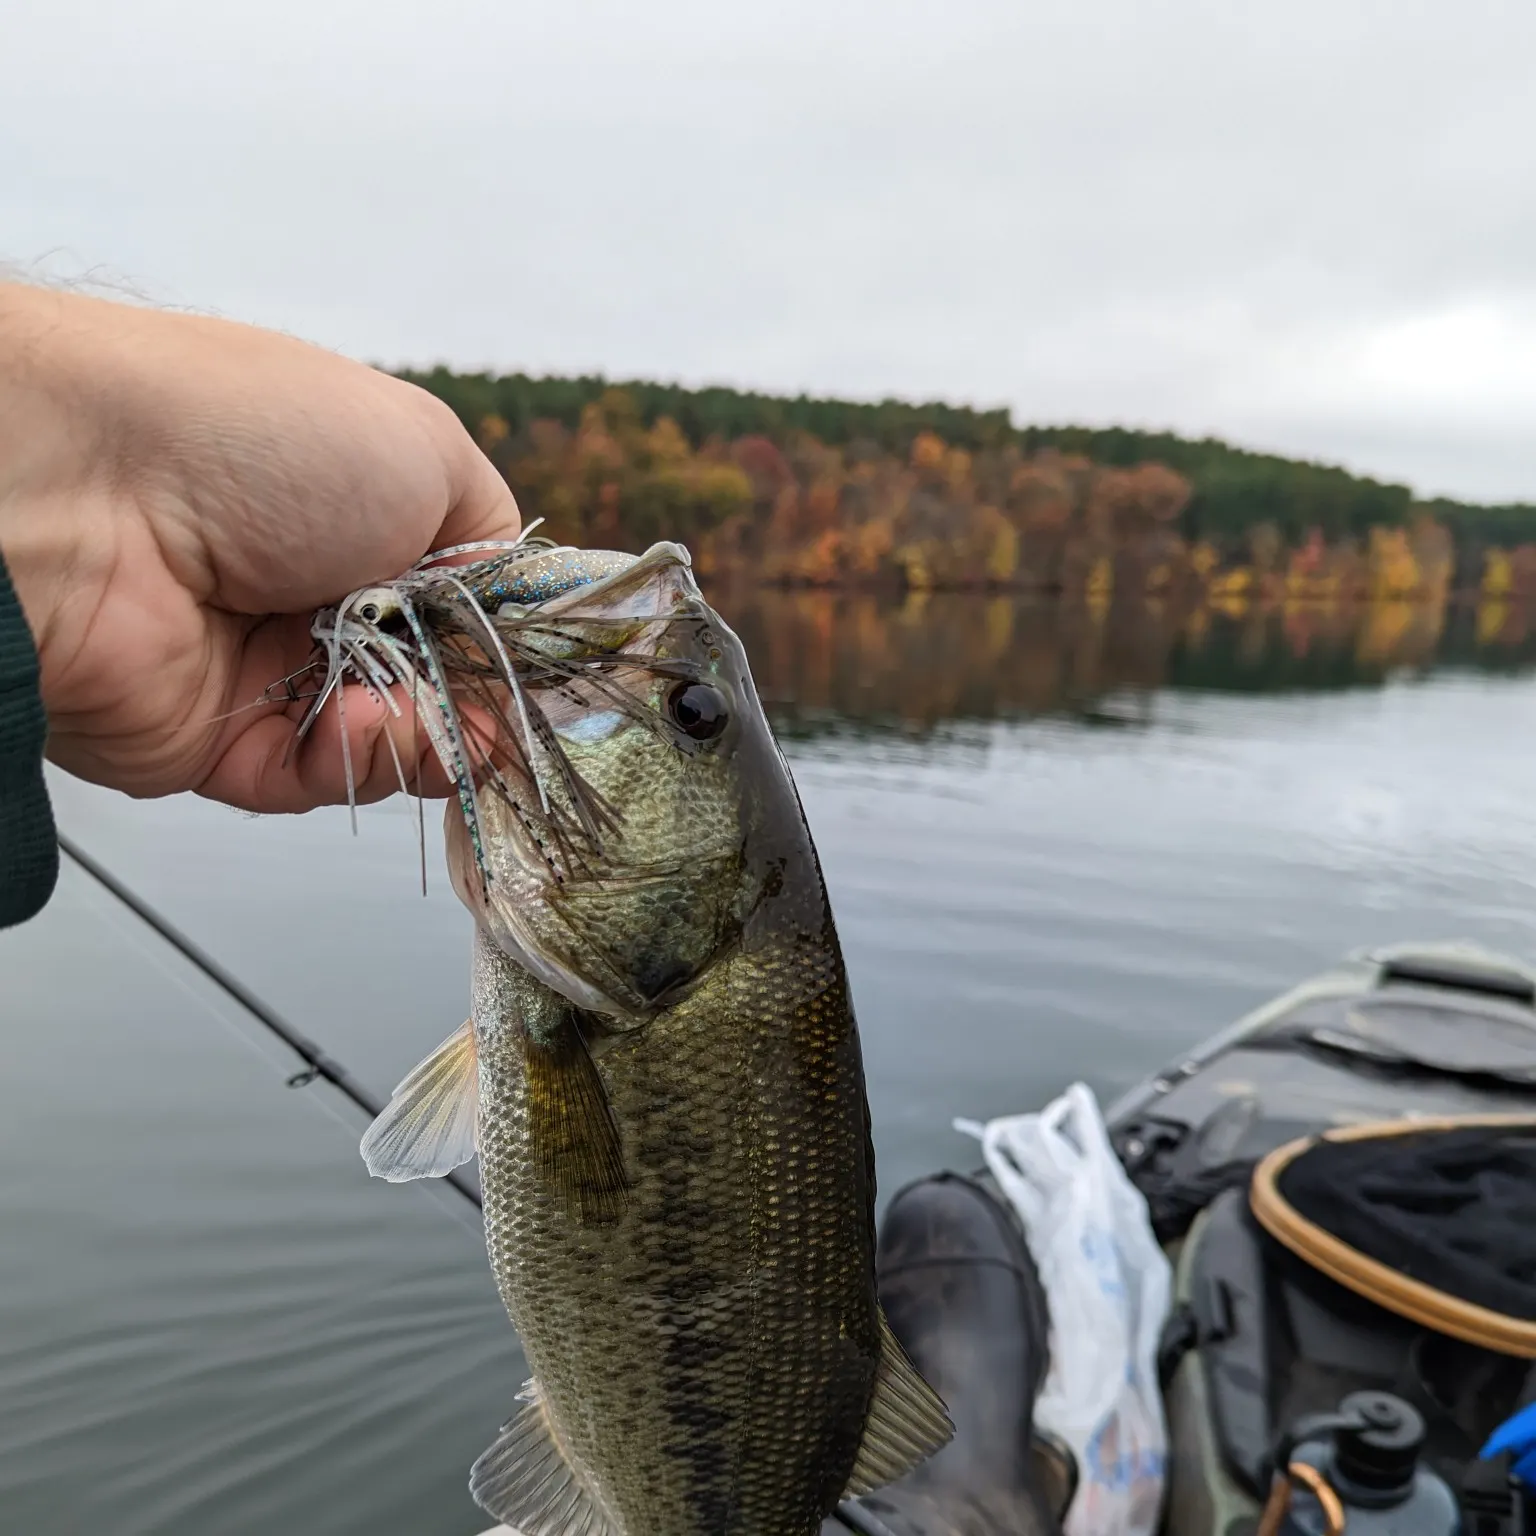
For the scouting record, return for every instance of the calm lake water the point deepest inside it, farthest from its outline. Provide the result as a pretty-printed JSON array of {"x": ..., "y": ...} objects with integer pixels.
[{"x": 1058, "y": 846}]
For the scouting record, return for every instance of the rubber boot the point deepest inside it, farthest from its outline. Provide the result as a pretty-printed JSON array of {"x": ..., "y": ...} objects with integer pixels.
[{"x": 964, "y": 1297}]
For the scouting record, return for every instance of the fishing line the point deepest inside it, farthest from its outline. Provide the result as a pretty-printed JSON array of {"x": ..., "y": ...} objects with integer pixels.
[{"x": 316, "y": 1063}]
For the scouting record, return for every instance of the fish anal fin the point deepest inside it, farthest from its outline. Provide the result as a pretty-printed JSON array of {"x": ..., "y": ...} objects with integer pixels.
[
  {"x": 525, "y": 1481},
  {"x": 428, "y": 1127},
  {"x": 907, "y": 1421},
  {"x": 573, "y": 1136}
]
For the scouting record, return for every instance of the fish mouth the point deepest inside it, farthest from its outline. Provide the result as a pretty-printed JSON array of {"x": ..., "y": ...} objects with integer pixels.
[
  {"x": 561, "y": 674},
  {"x": 510, "y": 635}
]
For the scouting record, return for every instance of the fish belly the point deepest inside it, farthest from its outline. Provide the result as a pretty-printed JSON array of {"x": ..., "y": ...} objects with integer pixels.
[{"x": 706, "y": 1359}]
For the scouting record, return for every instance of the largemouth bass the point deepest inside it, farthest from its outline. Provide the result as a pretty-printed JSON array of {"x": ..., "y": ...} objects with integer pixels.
[{"x": 663, "y": 1081}]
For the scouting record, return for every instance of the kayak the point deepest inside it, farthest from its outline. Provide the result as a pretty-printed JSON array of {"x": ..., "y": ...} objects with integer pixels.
[{"x": 1258, "y": 1339}]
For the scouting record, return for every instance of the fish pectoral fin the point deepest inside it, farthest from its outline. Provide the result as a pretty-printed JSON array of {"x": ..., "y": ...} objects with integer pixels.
[
  {"x": 428, "y": 1127},
  {"x": 525, "y": 1481},
  {"x": 907, "y": 1421},
  {"x": 572, "y": 1134}
]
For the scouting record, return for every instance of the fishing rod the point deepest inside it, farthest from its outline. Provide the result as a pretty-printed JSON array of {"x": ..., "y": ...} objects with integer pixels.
[{"x": 316, "y": 1063}]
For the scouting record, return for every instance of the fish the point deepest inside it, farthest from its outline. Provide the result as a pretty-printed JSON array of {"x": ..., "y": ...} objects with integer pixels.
[{"x": 661, "y": 1074}]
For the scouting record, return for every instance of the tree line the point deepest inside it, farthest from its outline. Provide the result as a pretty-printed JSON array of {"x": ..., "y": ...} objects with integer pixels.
[{"x": 828, "y": 492}]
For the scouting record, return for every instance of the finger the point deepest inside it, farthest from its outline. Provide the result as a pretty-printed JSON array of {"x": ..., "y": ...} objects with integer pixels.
[
  {"x": 259, "y": 763},
  {"x": 267, "y": 768},
  {"x": 481, "y": 504},
  {"x": 383, "y": 746}
]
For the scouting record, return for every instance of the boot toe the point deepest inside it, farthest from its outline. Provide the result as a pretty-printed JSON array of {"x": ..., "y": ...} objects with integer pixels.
[{"x": 963, "y": 1296}]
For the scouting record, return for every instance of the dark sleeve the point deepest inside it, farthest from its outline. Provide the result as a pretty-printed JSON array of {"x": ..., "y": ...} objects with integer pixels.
[{"x": 29, "y": 848}]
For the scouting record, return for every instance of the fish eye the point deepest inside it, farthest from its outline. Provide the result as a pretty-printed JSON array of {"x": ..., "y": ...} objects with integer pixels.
[
  {"x": 698, "y": 710},
  {"x": 374, "y": 605}
]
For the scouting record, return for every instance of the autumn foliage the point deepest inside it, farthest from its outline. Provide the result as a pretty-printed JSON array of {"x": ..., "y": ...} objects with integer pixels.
[
  {"x": 807, "y": 513},
  {"x": 817, "y": 493}
]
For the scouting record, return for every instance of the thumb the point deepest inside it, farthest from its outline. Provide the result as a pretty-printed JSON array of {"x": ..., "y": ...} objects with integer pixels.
[{"x": 481, "y": 504}]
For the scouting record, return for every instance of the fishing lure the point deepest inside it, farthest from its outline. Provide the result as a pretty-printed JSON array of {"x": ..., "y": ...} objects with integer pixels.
[{"x": 447, "y": 634}]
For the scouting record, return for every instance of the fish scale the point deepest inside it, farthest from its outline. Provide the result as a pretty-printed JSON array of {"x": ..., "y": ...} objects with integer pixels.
[{"x": 694, "y": 1355}]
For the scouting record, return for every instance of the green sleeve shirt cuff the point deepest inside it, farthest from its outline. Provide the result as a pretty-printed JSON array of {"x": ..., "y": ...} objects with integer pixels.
[{"x": 29, "y": 845}]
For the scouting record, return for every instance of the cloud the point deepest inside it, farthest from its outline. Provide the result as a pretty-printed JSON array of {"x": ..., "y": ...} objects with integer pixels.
[{"x": 1301, "y": 225}]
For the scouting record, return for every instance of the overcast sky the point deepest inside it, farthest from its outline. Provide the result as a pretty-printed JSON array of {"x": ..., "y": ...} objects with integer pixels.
[{"x": 1305, "y": 225}]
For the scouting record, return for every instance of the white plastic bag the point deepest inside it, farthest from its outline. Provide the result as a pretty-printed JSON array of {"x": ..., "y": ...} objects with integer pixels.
[{"x": 1108, "y": 1284}]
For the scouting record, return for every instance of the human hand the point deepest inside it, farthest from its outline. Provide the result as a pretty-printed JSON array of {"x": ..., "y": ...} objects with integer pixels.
[{"x": 177, "y": 495}]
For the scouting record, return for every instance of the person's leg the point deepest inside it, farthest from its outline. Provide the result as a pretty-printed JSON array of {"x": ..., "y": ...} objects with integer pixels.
[{"x": 963, "y": 1296}]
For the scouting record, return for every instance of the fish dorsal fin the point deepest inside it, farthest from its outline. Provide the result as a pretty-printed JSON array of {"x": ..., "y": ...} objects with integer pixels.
[
  {"x": 428, "y": 1127},
  {"x": 907, "y": 1421},
  {"x": 525, "y": 1481}
]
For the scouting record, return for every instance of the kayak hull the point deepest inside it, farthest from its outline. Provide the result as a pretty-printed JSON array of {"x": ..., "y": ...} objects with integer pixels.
[{"x": 1416, "y": 1032}]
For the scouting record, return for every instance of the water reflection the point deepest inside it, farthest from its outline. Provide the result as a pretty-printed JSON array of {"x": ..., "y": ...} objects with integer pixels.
[{"x": 834, "y": 661}]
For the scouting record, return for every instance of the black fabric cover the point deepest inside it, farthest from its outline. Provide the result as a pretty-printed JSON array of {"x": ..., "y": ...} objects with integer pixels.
[
  {"x": 29, "y": 847},
  {"x": 1452, "y": 1209}
]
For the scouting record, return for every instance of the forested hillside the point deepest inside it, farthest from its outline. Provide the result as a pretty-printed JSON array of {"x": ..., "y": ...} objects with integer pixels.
[{"x": 830, "y": 492}]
